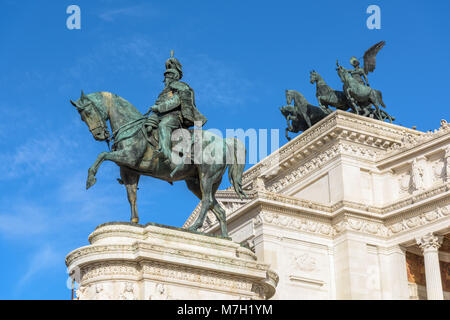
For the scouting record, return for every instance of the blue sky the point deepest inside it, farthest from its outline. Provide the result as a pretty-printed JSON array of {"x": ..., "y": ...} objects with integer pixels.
[{"x": 239, "y": 56}]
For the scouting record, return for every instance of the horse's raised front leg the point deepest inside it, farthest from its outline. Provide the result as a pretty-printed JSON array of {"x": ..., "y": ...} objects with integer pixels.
[
  {"x": 131, "y": 180},
  {"x": 91, "y": 180},
  {"x": 325, "y": 108},
  {"x": 129, "y": 157},
  {"x": 287, "y": 134},
  {"x": 288, "y": 121}
]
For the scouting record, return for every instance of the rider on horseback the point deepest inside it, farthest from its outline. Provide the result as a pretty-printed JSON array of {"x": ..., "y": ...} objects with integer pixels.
[
  {"x": 358, "y": 73},
  {"x": 175, "y": 107}
]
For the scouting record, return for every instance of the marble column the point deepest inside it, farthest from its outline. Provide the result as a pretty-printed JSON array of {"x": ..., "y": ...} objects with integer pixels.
[{"x": 430, "y": 244}]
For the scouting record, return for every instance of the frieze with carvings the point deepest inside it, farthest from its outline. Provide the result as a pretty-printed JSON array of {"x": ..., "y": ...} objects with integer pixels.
[
  {"x": 351, "y": 223},
  {"x": 301, "y": 224},
  {"x": 165, "y": 251},
  {"x": 348, "y": 127},
  {"x": 311, "y": 164},
  {"x": 102, "y": 269},
  {"x": 410, "y": 141},
  {"x": 418, "y": 220},
  {"x": 207, "y": 278}
]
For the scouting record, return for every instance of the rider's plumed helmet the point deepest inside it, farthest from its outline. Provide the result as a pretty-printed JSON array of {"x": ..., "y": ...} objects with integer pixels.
[{"x": 174, "y": 66}]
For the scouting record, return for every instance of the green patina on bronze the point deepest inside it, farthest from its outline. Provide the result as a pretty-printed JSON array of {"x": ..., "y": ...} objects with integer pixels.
[
  {"x": 357, "y": 95},
  {"x": 142, "y": 144}
]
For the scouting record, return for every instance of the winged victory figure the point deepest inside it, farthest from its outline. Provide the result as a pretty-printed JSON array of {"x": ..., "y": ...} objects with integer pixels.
[{"x": 360, "y": 74}]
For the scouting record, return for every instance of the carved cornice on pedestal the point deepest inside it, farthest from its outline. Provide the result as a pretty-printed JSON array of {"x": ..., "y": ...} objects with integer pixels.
[{"x": 123, "y": 256}]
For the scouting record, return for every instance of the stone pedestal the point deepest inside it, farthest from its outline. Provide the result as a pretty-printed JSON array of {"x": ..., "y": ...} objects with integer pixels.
[{"x": 134, "y": 262}]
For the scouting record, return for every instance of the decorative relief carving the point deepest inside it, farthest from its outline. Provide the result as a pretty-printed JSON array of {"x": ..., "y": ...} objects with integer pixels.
[
  {"x": 418, "y": 175},
  {"x": 324, "y": 133},
  {"x": 305, "y": 262},
  {"x": 128, "y": 292},
  {"x": 101, "y": 293},
  {"x": 429, "y": 241},
  {"x": 207, "y": 278},
  {"x": 419, "y": 220},
  {"x": 160, "y": 293},
  {"x": 94, "y": 250},
  {"x": 405, "y": 183},
  {"x": 301, "y": 224},
  {"x": 82, "y": 293},
  {"x": 376, "y": 228},
  {"x": 100, "y": 269},
  {"x": 259, "y": 184},
  {"x": 409, "y": 140},
  {"x": 438, "y": 168},
  {"x": 447, "y": 163},
  {"x": 156, "y": 270},
  {"x": 306, "y": 168}
]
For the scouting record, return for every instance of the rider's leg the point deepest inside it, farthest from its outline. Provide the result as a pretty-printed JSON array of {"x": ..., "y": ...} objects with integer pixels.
[{"x": 165, "y": 127}]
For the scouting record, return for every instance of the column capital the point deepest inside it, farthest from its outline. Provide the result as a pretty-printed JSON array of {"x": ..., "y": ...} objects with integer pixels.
[{"x": 429, "y": 241}]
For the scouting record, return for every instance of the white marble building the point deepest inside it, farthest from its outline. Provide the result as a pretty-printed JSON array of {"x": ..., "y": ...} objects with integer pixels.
[{"x": 352, "y": 208}]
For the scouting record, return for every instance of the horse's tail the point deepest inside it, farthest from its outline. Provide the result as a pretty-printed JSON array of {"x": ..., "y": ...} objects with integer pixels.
[
  {"x": 380, "y": 96},
  {"x": 236, "y": 163}
]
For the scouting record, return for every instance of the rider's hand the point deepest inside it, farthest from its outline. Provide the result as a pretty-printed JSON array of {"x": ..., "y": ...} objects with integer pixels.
[{"x": 154, "y": 108}]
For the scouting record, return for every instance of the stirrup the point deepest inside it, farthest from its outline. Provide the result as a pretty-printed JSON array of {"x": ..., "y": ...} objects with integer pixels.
[{"x": 178, "y": 167}]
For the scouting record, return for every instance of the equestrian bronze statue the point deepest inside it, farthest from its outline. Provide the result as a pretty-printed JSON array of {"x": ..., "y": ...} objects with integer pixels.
[
  {"x": 357, "y": 96},
  {"x": 302, "y": 115},
  {"x": 163, "y": 145}
]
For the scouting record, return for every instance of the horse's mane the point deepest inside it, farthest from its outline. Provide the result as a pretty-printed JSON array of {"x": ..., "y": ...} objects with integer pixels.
[
  {"x": 109, "y": 98},
  {"x": 298, "y": 97}
]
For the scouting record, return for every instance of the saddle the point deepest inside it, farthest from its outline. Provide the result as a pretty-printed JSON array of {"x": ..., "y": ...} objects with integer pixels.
[{"x": 151, "y": 132}]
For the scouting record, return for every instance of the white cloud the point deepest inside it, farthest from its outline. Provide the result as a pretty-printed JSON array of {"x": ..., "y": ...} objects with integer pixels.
[
  {"x": 23, "y": 220},
  {"x": 38, "y": 156},
  {"x": 44, "y": 258},
  {"x": 134, "y": 11}
]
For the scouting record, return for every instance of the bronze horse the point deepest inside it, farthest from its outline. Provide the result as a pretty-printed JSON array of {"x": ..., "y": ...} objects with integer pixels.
[
  {"x": 302, "y": 115},
  {"x": 202, "y": 170}
]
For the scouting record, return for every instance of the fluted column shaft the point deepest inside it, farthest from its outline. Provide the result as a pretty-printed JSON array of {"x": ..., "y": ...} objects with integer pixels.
[{"x": 430, "y": 244}]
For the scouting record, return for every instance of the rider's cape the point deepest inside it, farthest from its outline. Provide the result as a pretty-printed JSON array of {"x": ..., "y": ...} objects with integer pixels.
[{"x": 189, "y": 111}]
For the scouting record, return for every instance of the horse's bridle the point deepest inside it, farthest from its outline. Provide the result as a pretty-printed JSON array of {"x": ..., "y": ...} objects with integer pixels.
[{"x": 103, "y": 125}]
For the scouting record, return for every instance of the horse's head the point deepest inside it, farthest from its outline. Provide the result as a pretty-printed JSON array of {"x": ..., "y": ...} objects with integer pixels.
[
  {"x": 314, "y": 77},
  {"x": 289, "y": 96},
  {"x": 341, "y": 72},
  {"x": 92, "y": 116},
  {"x": 287, "y": 110}
]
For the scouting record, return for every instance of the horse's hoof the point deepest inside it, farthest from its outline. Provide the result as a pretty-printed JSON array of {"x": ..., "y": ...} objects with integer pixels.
[
  {"x": 90, "y": 182},
  {"x": 135, "y": 220},
  {"x": 193, "y": 228}
]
